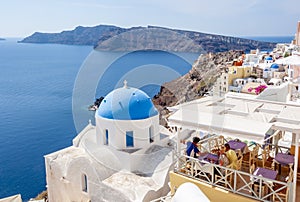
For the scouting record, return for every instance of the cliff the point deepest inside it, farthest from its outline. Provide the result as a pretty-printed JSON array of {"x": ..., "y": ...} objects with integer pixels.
[
  {"x": 79, "y": 36},
  {"x": 112, "y": 38},
  {"x": 198, "y": 81}
]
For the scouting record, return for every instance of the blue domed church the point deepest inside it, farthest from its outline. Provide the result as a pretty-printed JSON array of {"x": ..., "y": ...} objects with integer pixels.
[
  {"x": 126, "y": 156},
  {"x": 127, "y": 119}
]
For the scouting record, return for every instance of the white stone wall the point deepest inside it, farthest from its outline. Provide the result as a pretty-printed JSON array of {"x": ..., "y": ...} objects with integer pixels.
[
  {"x": 117, "y": 131},
  {"x": 65, "y": 168},
  {"x": 221, "y": 85},
  {"x": 64, "y": 171},
  {"x": 252, "y": 58}
]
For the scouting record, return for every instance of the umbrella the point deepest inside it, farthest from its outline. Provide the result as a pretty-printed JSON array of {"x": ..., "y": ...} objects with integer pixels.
[{"x": 291, "y": 60}]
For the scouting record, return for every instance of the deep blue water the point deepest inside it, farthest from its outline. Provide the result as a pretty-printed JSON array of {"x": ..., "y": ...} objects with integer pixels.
[
  {"x": 36, "y": 95},
  {"x": 274, "y": 39},
  {"x": 36, "y": 83}
]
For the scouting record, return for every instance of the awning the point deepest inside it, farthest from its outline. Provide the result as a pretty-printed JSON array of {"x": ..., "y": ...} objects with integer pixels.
[
  {"x": 290, "y": 60},
  {"x": 239, "y": 127}
]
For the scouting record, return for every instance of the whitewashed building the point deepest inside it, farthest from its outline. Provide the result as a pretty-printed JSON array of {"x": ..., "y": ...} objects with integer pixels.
[{"x": 125, "y": 157}]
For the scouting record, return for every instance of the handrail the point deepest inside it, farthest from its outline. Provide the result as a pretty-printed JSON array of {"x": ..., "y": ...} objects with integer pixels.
[
  {"x": 281, "y": 148},
  {"x": 205, "y": 172},
  {"x": 163, "y": 199}
]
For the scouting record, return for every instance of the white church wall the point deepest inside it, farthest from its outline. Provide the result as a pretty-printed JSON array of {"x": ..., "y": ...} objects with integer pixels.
[
  {"x": 66, "y": 167},
  {"x": 78, "y": 138},
  {"x": 64, "y": 178},
  {"x": 117, "y": 131},
  {"x": 122, "y": 157}
]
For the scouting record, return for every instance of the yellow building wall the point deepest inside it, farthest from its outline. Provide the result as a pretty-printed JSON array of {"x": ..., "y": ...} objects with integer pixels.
[
  {"x": 238, "y": 72},
  {"x": 247, "y": 72},
  {"x": 214, "y": 194}
]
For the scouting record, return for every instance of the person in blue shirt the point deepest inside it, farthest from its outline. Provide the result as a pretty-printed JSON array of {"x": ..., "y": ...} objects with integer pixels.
[{"x": 192, "y": 148}]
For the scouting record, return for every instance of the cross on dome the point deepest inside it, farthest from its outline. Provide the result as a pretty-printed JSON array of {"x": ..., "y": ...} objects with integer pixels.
[{"x": 125, "y": 84}]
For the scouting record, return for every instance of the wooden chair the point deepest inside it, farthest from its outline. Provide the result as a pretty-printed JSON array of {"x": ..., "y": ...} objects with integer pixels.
[
  {"x": 239, "y": 163},
  {"x": 213, "y": 144},
  {"x": 250, "y": 157},
  {"x": 238, "y": 153},
  {"x": 201, "y": 148},
  {"x": 255, "y": 152},
  {"x": 291, "y": 173},
  {"x": 203, "y": 171},
  {"x": 283, "y": 194},
  {"x": 267, "y": 160},
  {"x": 228, "y": 139},
  {"x": 252, "y": 168},
  {"x": 225, "y": 178},
  {"x": 220, "y": 140},
  {"x": 285, "y": 177}
]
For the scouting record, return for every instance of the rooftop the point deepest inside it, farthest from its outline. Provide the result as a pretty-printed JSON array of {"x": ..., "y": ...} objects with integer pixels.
[{"x": 127, "y": 103}]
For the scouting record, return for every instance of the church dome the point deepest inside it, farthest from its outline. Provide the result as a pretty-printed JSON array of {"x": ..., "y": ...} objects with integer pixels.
[
  {"x": 274, "y": 66},
  {"x": 127, "y": 103}
]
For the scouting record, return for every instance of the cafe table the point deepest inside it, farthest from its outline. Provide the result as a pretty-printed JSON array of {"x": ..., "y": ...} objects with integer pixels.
[
  {"x": 284, "y": 159},
  {"x": 266, "y": 173},
  {"x": 208, "y": 157},
  {"x": 235, "y": 145}
]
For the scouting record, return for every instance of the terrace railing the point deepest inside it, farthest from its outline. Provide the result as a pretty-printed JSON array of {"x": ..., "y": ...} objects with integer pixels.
[
  {"x": 235, "y": 181},
  {"x": 167, "y": 198}
]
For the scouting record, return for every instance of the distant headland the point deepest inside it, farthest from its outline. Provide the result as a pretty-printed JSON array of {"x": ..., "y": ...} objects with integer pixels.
[
  {"x": 147, "y": 38},
  {"x": 1, "y": 39}
]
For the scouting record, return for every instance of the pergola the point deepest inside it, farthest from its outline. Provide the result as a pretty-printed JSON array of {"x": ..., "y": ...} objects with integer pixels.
[{"x": 240, "y": 117}]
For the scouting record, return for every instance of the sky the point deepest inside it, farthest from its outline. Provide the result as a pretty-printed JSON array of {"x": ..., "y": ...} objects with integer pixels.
[{"x": 19, "y": 18}]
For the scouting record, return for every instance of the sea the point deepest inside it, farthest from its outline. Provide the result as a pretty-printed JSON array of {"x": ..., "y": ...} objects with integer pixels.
[
  {"x": 45, "y": 91},
  {"x": 273, "y": 39}
]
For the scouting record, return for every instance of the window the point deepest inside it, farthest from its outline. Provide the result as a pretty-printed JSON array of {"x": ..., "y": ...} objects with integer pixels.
[
  {"x": 163, "y": 136},
  {"x": 84, "y": 183},
  {"x": 129, "y": 139},
  {"x": 151, "y": 138},
  {"x": 291, "y": 74},
  {"x": 106, "y": 137}
]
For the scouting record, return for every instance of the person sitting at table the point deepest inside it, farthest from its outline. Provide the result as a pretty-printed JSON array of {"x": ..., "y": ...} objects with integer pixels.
[
  {"x": 231, "y": 155},
  {"x": 192, "y": 148},
  {"x": 223, "y": 160}
]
